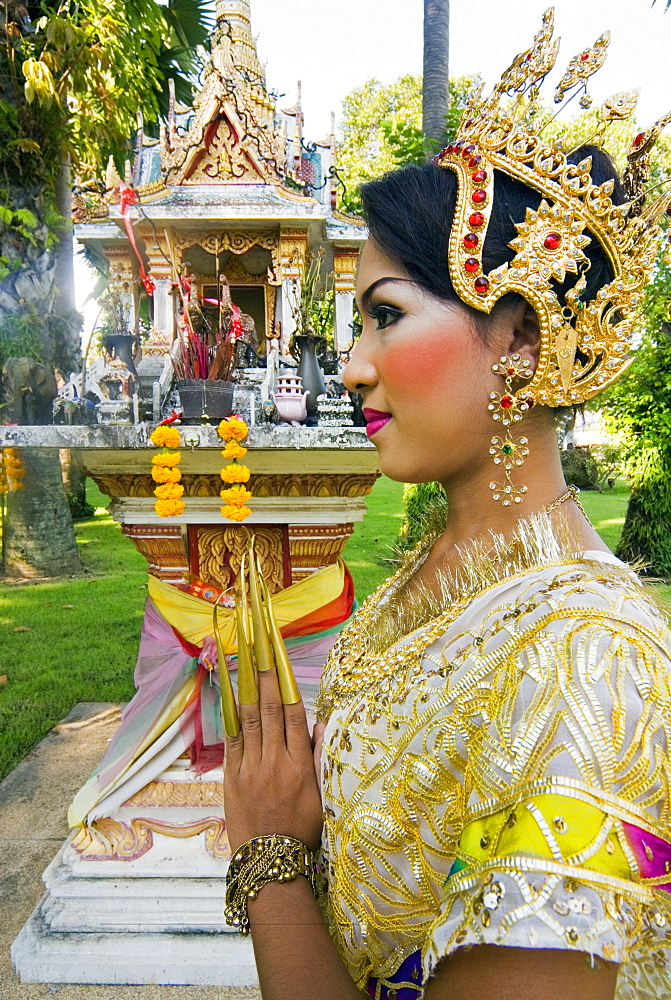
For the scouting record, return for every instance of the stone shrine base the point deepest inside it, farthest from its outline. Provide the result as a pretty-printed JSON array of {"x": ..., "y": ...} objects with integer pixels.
[{"x": 49, "y": 951}]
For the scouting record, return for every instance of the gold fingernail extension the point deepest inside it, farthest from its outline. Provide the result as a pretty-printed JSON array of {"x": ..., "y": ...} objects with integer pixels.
[
  {"x": 229, "y": 710},
  {"x": 285, "y": 674}
]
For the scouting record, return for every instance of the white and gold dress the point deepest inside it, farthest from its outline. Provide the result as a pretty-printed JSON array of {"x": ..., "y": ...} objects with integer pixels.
[{"x": 496, "y": 768}]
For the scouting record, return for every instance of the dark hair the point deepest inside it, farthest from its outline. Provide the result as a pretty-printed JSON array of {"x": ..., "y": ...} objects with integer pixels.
[{"x": 410, "y": 213}]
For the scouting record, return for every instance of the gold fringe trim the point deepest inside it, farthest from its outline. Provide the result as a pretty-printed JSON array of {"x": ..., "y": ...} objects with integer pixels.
[{"x": 403, "y": 606}]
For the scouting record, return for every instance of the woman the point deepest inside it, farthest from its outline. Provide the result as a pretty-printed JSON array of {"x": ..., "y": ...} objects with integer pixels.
[{"x": 495, "y": 755}]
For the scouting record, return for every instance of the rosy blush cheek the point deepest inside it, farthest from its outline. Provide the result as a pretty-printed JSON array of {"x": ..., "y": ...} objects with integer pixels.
[{"x": 420, "y": 363}]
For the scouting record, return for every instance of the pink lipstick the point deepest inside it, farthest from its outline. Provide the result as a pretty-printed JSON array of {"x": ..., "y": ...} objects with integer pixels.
[{"x": 375, "y": 420}]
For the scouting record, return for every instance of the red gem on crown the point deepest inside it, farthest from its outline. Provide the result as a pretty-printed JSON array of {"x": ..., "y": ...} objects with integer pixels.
[
  {"x": 476, "y": 219},
  {"x": 472, "y": 264},
  {"x": 480, "y": 176},
  {"x": 552, "y": 241},
  {"x": 468, "y": 150},
  {"x": 474, "y": 162},
  {"x": 481, "y": 285},
  {"x": 639, "y": 138},
  {"x": 471, "y": 241},
  {"x": 479, "y": 196}
]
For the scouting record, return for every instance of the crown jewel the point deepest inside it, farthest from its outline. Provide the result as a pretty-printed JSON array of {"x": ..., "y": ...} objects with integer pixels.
[{"x": 584, "y": 344}]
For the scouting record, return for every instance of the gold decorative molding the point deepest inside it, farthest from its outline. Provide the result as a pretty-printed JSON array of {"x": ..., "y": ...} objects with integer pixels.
[
  {"x": 234, "y": 241},
  {"x": 344, "y": 267},
  {"x": 220, "y": 552},
  {"x": 350, "y": 485},
  {"x": 195, "y": 794},
  {"x": 227, "y": 157},
  {"x": 292, "y": 252},
  {"x": 163, "y": 548},
  {"x": 111, "y": 840},
  {"x": 315, "y": 546}
]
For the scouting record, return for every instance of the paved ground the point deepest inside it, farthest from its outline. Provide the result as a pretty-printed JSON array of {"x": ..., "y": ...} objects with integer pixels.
[{"x": 33, "y": 803}]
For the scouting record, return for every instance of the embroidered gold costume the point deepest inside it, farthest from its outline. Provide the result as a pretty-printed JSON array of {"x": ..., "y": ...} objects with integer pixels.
[{"x": 496, "y": 767}]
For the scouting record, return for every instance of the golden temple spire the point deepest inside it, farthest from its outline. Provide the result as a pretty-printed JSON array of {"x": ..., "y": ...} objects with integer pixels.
[{"x": 234, "y": 23}]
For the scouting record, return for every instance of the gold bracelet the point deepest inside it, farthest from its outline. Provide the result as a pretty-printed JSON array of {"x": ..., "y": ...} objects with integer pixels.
[{"x": 276, "y": 858}]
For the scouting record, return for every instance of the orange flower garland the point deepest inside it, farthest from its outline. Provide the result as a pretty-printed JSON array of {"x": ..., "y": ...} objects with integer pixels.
[
  {"x": 165, "y": 471},
  {"x": 12, "y": 471},
  {"x": 233, "y": 430}
]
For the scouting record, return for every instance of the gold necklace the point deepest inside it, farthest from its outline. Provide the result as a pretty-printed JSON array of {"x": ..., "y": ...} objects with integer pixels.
[
  {"x": 571, "y": 494},
  {"x": 352, "y": 666}
]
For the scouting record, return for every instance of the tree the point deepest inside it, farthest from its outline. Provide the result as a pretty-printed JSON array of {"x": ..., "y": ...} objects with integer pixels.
[
  {"x": 638, "y": 410},
  {"x": 435, "y": 93},
  {"x": 74, "y": 83},
  {"x": 382, "y": 129}
]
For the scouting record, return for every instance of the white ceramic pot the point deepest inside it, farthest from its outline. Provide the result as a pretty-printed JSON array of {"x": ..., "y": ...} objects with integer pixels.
[{"x": 291, "y": 408}]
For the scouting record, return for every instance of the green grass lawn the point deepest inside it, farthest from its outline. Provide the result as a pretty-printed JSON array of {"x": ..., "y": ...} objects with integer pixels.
[{"x": 82, "y": 634}]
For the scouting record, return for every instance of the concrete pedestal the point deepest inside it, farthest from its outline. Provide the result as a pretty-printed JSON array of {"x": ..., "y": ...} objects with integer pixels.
[{"x": 154, "y": 919}]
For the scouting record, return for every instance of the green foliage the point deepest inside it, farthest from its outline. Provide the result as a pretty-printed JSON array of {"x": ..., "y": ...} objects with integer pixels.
[
  {"x": 382, "y": 129},
  {"x": 638, "y": 410},
  {"x": 74, "y": 87},
  {"x": 579, "y": 468},
  {"x": 21, "y": 337},
  {"x": 425, "y": 509},
  {"x": 313, "y": 298}
]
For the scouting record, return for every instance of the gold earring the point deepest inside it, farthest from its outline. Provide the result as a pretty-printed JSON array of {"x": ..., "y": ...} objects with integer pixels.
[{"x": 509, "y": 409}]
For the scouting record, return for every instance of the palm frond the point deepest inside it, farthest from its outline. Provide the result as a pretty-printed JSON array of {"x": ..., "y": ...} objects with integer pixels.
[{"x": 189, "y": 20}]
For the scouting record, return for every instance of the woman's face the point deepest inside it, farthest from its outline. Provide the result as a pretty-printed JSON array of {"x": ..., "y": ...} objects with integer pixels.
[{"x": 424, "y": 374}]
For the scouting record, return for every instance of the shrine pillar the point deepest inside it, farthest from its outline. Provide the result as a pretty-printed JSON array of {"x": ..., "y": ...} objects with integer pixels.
[
  {"x": 293, "y": 251},
  {"x": 344, "y": 266},
  {"x": 122, "y": 276},
  {"x": 164, "y": 319}
]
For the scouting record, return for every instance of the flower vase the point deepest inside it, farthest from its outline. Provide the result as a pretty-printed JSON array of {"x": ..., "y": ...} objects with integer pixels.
[{"x": 308, "y": 369}]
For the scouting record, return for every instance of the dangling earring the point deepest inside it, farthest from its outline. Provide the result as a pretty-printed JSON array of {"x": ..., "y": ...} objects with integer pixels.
[{"x": 509, "y": 409}]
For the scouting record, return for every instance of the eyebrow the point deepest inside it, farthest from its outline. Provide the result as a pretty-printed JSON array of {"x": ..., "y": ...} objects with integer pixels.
[{"x": 365, "y": 298}]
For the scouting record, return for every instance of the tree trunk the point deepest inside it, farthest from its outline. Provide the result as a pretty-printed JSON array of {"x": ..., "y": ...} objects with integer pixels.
[
  {"x": 38, "y": 534},
  {"x": 67, "y": 334},
  {"x": 435, "y": 94},
  {"x": 74, "y": 484},
  {"x": 38, "y": 537}
]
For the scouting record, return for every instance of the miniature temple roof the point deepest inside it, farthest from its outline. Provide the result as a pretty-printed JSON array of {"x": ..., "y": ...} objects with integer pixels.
[
  {"x": 233, "y": 158},
  {"x": 232, "y": 135}
]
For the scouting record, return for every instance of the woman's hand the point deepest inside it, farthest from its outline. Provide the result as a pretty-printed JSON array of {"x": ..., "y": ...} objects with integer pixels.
[{"x": 270, "y": 778}]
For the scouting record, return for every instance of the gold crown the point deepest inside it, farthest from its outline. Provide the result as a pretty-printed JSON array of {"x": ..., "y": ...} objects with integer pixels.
[{"x": 584, "y": 345}]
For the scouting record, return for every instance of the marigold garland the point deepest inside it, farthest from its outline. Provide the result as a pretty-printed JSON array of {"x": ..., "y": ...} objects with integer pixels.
[
  {"x": 169, "y": 491},
  {"x": 166, "y": 472},
  {"x": 168, "y": 508},
  {"x": 233, "y": 430},
  {"x": 235, "y": 513},
  {"x": 236, "y": 495},
  {"x": 167, "y": 459},
  {"x": 234, "y": 450},
  {"x": 163, "y": 475},
  {"x": 12, "y": 470},
  {"x": 235, "y": 473},
  {"x": 166, "y": 437}
]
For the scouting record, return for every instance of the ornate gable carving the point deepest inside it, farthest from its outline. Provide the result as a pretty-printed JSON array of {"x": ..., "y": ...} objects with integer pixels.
[{"x": 224, "y": 144}]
